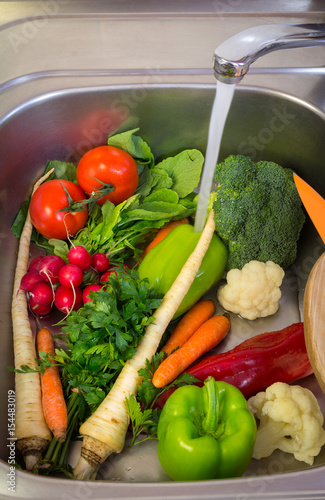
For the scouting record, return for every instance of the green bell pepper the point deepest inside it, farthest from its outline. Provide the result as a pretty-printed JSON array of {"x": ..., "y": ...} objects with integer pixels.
[
  {"x": 206, "y": 432},
  {"x": 164, "y": 262}
]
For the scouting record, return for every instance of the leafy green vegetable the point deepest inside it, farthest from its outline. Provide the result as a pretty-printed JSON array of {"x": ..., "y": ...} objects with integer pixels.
[
  {"x": 146, "y": 181},
  {"x": 143, "y": 415},
  {"x": 164, "y": 193},
  {"x": 157, "y": 210},
  {"x": 161, "y": 178},
  {"x": 60, "y": 248},
  {"x": 62, "y": 170},
  {"x": 184, "y": 169},
  {"x": 134, "y": 145},
  {"x": 142, "y": 420},
  {"x": 105, "y": 332},
  {"x": 19, "y": 221}
]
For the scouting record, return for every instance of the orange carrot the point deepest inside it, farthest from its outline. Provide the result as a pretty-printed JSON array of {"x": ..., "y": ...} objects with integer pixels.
[
  {"x": 54, "y": 406},
  {"x": 162, "y": 233},
  {"x": 205, "y": 338},
  {"x": 188, "y": 325}
]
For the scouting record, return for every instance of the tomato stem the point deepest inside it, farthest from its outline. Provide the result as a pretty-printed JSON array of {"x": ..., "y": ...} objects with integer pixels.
[{"x": 79, "y": 206}]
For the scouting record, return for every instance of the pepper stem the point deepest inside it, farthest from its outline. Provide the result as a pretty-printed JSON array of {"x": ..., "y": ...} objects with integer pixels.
[{"x": 211, "y": 423}]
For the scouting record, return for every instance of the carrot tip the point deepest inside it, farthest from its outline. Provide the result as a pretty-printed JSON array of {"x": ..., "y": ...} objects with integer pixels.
[{"x": 60, "y": 436}]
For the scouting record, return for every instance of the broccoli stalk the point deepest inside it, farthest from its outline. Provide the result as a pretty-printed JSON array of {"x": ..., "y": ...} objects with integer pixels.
[{"x": 258, "y": 211}]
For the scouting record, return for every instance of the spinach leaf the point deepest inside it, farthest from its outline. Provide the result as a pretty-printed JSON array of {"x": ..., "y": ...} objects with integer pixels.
[
  {"x": 62, "y": 170},
  {"x": 184, "y": 169},
  {"x": 157, "y": 210},
  {"x": 134, "y": 145}
]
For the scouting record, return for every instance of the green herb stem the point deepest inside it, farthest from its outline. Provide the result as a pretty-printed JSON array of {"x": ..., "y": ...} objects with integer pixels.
[
  {"x": 63, "y": 459},
  {"x": 50, "y": 450},
  {"x": 57, "y": 453}
]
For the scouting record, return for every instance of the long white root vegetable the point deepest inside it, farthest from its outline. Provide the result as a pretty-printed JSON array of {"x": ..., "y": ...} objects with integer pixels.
[
  {"x": 31, "y": 431},
  {"x": 104, "y": 432}
]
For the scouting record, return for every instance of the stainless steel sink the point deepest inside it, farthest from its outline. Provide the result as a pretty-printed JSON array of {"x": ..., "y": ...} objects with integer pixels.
[{"x": 60, "y": 108}]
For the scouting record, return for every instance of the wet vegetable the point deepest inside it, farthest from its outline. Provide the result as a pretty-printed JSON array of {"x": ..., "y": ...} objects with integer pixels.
[
  {"x": 164, "y": 262},
  {"x": 206, "y": 433},
  {"x": 257, "y": 362},
  {"x": 260, "y": 361}
]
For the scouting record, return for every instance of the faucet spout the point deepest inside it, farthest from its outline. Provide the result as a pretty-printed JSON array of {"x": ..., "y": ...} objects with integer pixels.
[{"x": 233, "y": 57}]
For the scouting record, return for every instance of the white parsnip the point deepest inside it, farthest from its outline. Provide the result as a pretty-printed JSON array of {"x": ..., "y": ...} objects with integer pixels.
[
  {"x": 104, "y": 432},
  {"x": 31, "y": 431}
]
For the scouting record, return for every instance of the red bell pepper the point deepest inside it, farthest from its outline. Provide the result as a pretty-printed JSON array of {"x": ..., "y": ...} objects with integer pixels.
[{"x": 258, "y": 362}]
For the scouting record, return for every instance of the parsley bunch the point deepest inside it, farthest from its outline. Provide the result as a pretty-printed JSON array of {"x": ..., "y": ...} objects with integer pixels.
[{"x": 104, "y": 334}]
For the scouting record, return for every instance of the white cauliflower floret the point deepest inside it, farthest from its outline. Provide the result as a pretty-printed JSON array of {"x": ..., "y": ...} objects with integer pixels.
[
  {"x": 254, "y": 291},
  {"x": 290, "y": 420}
]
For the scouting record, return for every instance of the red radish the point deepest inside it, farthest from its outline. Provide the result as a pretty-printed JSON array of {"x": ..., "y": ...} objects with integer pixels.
[
  {"x": 40, "y": 310},
  {"x": 87, "y": 290},
  {"x": 42, "y": 294},
  {"x": 70, "y": 276},
  {"x": 105, "y": 276},
  {"x": 81, "y": 257},
  {"x": 67, "y": 299},
  {"x": 35, "y": 263},
  {"x": 100, "y": 262},
  {"x": 49, "y": 268},
  {"x": 30, "y": 280}
]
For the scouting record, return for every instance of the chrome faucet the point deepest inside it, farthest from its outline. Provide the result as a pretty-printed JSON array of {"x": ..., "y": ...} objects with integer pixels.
[{"x": 233, "y": 57}]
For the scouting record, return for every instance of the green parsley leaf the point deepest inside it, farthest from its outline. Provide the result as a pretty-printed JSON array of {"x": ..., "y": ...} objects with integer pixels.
[
  {"x": 142, "y": 420},
  {"x": 143, "y": 415}
]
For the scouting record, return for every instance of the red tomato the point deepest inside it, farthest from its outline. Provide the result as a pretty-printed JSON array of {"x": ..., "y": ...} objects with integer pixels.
[
  {"x": 45, "y": 203},
  {"x": 109, "y": 165}
]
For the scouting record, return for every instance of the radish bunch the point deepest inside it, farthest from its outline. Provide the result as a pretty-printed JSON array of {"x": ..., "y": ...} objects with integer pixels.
[{"x": 50, "y": 281}]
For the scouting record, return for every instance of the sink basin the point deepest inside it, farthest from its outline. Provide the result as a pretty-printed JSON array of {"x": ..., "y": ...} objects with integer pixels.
[
  {"x": 263, "y": 124},
  {"x": 73, "y": 72}
]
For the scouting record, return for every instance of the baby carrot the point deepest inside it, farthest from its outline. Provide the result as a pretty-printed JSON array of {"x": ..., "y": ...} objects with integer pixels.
[
  {"x": 54, "y": 406},
  {"x": 188, "y": 325},
  {"x": 205, "y": 338},
  {"x": 162, "y": 233}
]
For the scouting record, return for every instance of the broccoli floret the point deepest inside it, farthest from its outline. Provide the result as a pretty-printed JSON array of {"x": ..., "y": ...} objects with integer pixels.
[
  {"x": 235, "y": 172},
  {"x": 258, "y": 211}
]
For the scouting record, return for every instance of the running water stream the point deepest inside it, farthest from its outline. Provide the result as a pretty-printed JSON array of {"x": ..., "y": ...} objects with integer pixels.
[{"x": 220, "y": 108}]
